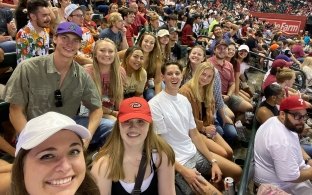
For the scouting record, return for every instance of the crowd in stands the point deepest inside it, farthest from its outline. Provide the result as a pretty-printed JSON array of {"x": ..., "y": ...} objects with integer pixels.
[{"x": 157, "y": 88}]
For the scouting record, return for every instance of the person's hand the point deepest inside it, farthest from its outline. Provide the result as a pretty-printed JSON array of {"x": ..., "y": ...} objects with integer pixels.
[
  {"x": 124, "y": 31},
  {"x": 216, "y": 174},
  {"x": 211, "y": 130},
  {"x": 202, "y": 187},
  {"x": 191, "y": 176},
  {"x": 5, "y": 38},
  {"x": 11, "y": 26},
  {"x": 225, "y": 98}
]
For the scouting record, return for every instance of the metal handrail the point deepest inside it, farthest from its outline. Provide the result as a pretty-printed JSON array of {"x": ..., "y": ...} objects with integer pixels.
[{"x": 249, "y": 156}]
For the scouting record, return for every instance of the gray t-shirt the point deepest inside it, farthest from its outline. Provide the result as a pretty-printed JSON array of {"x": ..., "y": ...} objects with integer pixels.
[{"x": 115, "y": 37}]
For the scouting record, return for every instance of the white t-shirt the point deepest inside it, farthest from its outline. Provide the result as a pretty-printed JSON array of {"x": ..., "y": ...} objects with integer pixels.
[
  {"x": 173, "y": 118},
  {"x": 277, "y": 154}
]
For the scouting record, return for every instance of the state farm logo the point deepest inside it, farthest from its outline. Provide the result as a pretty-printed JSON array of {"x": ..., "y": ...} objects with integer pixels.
[{"x": 286, "y": 26}]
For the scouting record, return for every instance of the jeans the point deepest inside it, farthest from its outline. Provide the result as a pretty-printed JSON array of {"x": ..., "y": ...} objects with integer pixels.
[
  {"x": 8, "y": 46},
  {"x": 307, "y": 148},
  {"x": 228, "y": 131},
  {"x": 149, "y": 93},
  {"x": 99, "y": 137}
]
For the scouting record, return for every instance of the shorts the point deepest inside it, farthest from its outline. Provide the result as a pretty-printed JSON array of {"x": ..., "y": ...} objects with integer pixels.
[
  {"x": 201, "y": 164},
  {"x": 234, "y": 102}
]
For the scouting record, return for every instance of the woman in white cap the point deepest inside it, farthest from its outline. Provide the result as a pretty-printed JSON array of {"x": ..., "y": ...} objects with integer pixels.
[
  {"x": 50, "y": 158},
  {"x": 133, "y": 143},
  {"x": 163, "y": 39}
]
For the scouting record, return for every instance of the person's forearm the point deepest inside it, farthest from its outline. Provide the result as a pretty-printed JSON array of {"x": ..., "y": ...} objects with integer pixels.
[
  {"x": 178, "y": 167},
  {"x": 237, "y": 82},
  {"x": 124, "y": 43},
  {"x": 94, "y": 120},
  {"x": 17, "y": 117},
  {"x": 305, "y": 174},
  {"x": 8, "y": 5},
  {"x": 6, "y": 147},
  {"x": 231, "y": 89},
  {"x": 200, "y": 145}
]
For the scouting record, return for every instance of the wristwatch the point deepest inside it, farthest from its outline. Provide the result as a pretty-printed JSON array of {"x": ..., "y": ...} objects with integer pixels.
[
  {"x": 307, "y": 160},
  {"x": 213, "y": 161}
]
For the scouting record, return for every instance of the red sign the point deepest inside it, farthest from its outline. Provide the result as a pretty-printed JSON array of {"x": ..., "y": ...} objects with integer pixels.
[{"x": 289, "y": 24}]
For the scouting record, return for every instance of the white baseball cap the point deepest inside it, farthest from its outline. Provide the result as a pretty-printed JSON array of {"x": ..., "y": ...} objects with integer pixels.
[
  {"x": 162, "y": 32},
  {"x": 243, "y": 47},
  {"x": 69, "y": 9},
  {"x": 39, "y": 129}
]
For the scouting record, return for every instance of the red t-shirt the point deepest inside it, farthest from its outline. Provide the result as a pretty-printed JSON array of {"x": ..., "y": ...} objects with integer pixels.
[
  {"x": 268, "y": 81},
  {"x": 8, "y": 1},
  {"x": 186, "y": 39},
  {"x": 129, "y": 35}
]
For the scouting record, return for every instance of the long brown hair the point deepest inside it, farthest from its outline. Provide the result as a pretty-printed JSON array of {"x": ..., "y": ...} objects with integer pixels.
[
  {"x": 114, "y": 149},
  {"x": 125, "y": 61},
  {"x": 115, "y": 86},
  {"x": 154, "y": 57}
]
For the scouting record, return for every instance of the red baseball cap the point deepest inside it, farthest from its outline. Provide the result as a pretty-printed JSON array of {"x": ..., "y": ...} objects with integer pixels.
[
  {"x": 134, "y": 108},
  {"x": 293, "y": 103},
  {"x": 281, "y": 63}
]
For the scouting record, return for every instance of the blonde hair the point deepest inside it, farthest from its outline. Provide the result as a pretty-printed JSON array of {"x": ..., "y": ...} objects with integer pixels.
[
  {"x": 152, "y": 15},
  {"x": 307, "y": 62},
  {"x": 114, "y": 17},
  {"x": 284, "y": 74},
  {"x": 115, "y": 85},
  {"x": 114, "y": 149},
  {"x": 154, "y": 57},
  {"x": 208, "y": 97}
]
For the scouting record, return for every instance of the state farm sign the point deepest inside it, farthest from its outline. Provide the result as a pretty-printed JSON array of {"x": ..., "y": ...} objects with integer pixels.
[
  {"x": 286, "y": 26},
  {"x": 289, "y": 24}
]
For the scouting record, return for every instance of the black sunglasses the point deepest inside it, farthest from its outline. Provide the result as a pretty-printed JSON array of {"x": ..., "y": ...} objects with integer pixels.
[{"x": 58, "y": 98}]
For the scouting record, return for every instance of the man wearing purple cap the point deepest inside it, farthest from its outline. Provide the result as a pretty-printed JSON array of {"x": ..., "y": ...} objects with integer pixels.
[
  {"x": 53, "y": 82},
  {"x": 279, "y": 159}
]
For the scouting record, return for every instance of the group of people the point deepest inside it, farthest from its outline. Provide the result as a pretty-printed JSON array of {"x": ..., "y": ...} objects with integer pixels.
[{"x": 130, "y": 87}]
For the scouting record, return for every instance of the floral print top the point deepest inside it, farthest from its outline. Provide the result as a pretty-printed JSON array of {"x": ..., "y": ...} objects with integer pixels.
[
  {"x": 88, "y": 42},
  {"x": 30, "y": 44}
]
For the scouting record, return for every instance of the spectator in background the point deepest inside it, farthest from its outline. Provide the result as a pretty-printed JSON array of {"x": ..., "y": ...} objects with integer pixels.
[
  {"x": 306, "y": 38},
  {"x": 21, "y": 18},
  {"x": 163, "y": 39},
  {"x": 188, "y": 37},
  {"x": 113, "y": 8},
  {"x": 128, "y": 18},
  {"x": 153, "y": 24},
  {"x": 297, "y": 50},
  {"x": 33, "y": 39},
  {"x": 176, "y": 52},
  {"x": 171, "y": 21},
  {"x": 59, "y": 12},
  {"x": 89, "y": 23},
  {"x": 74, "y": 13},
  {"x": 273, "y": 94},
  {"x": 139, "y": 21},
  {"x": 116, "y": 31},
  {"x": 7, "y": 31},
  {"x": 10, "y": 4}
]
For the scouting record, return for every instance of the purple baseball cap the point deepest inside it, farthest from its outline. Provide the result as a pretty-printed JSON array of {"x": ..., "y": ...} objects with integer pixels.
[{"x": 69, "y": 27}]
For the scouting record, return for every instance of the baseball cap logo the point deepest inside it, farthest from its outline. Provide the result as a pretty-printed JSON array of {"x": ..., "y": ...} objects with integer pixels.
[
  {"x": 72, "y": 27},
  {"x": 301, "y": 101},
  {"x": 135, "y": 105}
]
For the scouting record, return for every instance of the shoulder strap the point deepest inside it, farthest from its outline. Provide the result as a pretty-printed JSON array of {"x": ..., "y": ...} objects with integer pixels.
[{"x": 140, "y": 176}]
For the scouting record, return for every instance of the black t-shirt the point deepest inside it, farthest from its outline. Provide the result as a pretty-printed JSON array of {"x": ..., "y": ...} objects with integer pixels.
[{"x": 6, "y": 17}]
